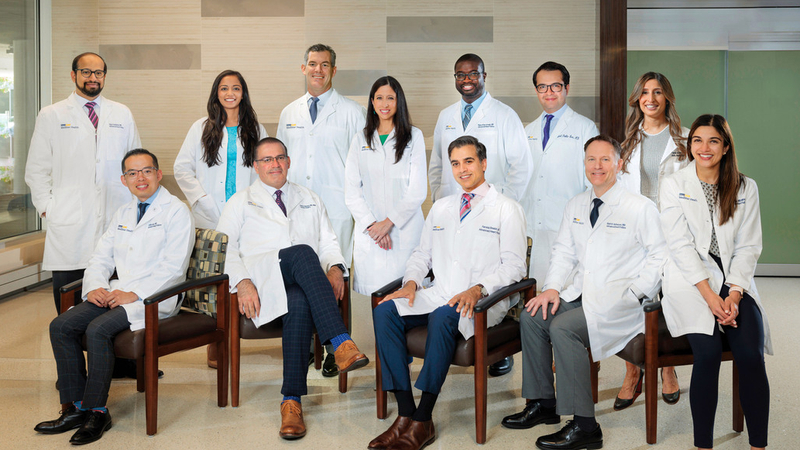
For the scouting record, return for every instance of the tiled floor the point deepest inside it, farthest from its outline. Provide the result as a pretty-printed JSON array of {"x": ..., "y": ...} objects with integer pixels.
[{"x": 188, "y": 417}]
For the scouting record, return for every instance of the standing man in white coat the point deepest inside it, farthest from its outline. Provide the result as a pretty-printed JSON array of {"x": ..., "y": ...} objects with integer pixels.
[
  {"x": 607, "y": 258},
  {"x": 475, "y": 243},
  {"x": 284, "y": 263},
  {"x": 73, "y": 164},
  {"x": 497, "y": 127},
  {"x": 148, "y": 243},
  {"x": 556, "y": 140}
]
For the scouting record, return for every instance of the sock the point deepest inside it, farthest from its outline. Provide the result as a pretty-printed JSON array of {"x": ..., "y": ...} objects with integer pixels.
[
  {"x": 586, "y": 423},
  {"x": 546, "y": 402},
  {"x": 101, "y": 409},
  {"x": 337, "y": 340},
  {"x": 405, "y": 403},
  {"x": 424, "y": 412},
  {"x": 290, "y": 397},
  {"x": 78, "y": 405}
]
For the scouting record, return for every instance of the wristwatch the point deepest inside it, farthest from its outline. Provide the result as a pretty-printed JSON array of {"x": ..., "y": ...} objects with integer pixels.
[
  {"x": 341, "y": 267},
  {"x": 484, "y": 292}
]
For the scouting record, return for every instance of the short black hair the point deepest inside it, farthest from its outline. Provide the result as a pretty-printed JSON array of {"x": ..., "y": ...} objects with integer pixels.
[
  {"x": 471, "y": 57},
  {"x": 464, "y": 141},
  {"x": 553, "y": 66},
  {"x": 78, "y": 58},
  {"x": 605, "y": 138},
  {"x": 272, "y": 140},
  {"x": 139, "y": 151}
]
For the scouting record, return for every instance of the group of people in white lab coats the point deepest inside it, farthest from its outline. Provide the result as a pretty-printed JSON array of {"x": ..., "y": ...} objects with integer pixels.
[{"x": 368, "y": 169}]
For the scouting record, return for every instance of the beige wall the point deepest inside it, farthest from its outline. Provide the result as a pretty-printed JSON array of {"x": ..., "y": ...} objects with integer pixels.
[{"x": 163, "y": 56}]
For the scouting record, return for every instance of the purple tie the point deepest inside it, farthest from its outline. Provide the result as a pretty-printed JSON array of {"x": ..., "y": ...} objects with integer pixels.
[
  {"x": 92, "y": 115},
  {"x": 546, "y": 137},
  {"x": 279, "y": 201}
]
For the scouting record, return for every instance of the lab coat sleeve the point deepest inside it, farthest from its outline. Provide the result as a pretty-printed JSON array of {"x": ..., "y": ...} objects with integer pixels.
[
  {"x": 417, "y": 188},
  {"x": 39, "y": 168},
  {"x": 135, "y": 141},
  {"x": 747, "y": 241},
  {"x": 354, "y": 189},
  {"x": 649, "y": 234},
  {"x": 680, "y": 240},
  {"x": 185, "y": 166},
  {"x": 171, "y": 267},
  {"x": 519, "y": 162},
  {"x": 329, "y": 251},
  {"x": 513, "y": 246},
  {"x": 420, "y": 262},
  {"x": 101, "y": 265},
  {"x": 435, "y": 167},
  {"x": 230, "y": 223},
  {"x": 564, "y": 258}
]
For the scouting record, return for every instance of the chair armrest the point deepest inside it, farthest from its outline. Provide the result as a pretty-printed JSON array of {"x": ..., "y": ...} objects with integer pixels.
[
  {"x": 389, "y": 288},
  {"x": 187, "y": 285},
  {"x": 485, "y": 303},
  {"x": 67, "y": 288},
  {"x": 651, "y": 306}
]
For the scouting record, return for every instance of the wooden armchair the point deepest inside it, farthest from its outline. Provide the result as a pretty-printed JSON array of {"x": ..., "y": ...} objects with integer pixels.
[{"x": 192, "y": 327}]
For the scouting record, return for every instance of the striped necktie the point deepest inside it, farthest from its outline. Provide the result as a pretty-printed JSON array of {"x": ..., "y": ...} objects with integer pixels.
[
  {"x": 467, "y": 116},
  {"x": 465, "y": 206},
  {"x": 92, "y": 115}
]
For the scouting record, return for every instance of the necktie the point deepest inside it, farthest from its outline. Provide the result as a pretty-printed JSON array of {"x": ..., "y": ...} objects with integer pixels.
[
  {"x": 279, "y": 201},
  {"x": 467, "y": 116},
  {"x": 548, "y": 117},
  {"x": 313, "y": 109},
  {"x": 465, "y": 206},
  {"x": 92, "y": 114},
  {"x": 595, "y": 211},
  {"x": 142, "y": 209}
]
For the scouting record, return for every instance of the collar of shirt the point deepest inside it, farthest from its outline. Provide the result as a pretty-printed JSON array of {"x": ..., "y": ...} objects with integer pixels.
[
  {"x": 605, "y": 197},
  {"x": 556, "y": 116},
  {"x": 272, "y": 190},
  {"x": 149, "y": 201},
  {"x": 82, "y": 101},
  {"x": 475, "y": 105},
  {"x": 480, "y": 192},
  {"x": 323, "y": 100}
]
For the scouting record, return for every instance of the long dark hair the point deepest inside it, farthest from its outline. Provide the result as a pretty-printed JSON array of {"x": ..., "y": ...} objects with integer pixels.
[
  {"x": 402, "y": 119},
  {"x": 730, "y": 179},
  {"x": 633, "y": 135},
  {"x": 217, "y": 117}
]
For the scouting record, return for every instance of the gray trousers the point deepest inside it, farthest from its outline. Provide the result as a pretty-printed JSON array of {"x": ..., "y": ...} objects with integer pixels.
[{"x": 566, "y": 335}]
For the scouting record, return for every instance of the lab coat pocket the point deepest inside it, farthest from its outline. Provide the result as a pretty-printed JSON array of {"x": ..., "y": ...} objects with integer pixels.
[{"x": 66, "y": 208}]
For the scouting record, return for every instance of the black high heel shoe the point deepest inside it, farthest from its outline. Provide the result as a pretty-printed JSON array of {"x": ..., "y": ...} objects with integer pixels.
[
  {"x": 672, "y": 398},
  {"x": 621, "y": 403}
]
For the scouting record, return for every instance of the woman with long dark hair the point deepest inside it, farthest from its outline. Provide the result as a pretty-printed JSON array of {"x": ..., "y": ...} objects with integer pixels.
[
  {"x": 654, "y": 147},
  {"x": 385, "y": 185},
  {"x": 216, "y": 159},
  {"x": 712, "y": 222}
]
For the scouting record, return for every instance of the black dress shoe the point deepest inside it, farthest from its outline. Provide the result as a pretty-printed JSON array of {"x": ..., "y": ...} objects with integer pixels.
[
  {"x": 672, "y": 398},
  {"x": 329, "y": 367},
  {"x": 533, "y": 414},
  {"x": 571, "y": 437},
  {"x": 622, "y": 403},
  {"x": 501, "y": 367},
  {"x": 71, "y": 418},
  {"x": 96, "y": 424}
]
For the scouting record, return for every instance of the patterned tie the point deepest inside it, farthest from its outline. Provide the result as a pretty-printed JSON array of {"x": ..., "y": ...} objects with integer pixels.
[
  {"x": 465, "y": 206},
  {"x": 313, "y": 109},
  {"x": 467, "y": 116},
  {"x": 279, "y": 201},
  {"x": 142, "y": 209},
  {"x": 546, "y": 138},
  {"x": 92, "y": 115},
  {"x": 595, "y": 211}
]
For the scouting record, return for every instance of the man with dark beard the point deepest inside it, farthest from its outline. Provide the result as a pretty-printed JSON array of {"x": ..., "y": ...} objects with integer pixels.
[{"x": 73, "y": 169}]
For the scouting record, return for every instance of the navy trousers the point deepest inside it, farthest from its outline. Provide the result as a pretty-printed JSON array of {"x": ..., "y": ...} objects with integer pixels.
[
  {"x": 311, "y": 304},
  {"x": 100, "y": 325},
  {"x": 440, "y": 347}
]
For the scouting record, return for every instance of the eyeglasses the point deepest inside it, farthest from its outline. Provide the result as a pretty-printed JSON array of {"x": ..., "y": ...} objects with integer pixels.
[
  {"x": 147, "y": 172},
  {"x": 269, "y": 159},
  {"x": 555, "y": 87},
  {"x": 99, "y": 74},
  {"x": 463, "y": 76}
]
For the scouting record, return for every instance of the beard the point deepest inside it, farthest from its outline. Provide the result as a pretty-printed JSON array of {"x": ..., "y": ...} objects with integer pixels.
[{"x": 90, "y": 92}]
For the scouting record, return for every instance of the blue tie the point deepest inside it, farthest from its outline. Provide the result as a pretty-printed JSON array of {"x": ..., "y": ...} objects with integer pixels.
[
  {"x": 546, "y": 138},
  {"x": 142, "y": 209},
  {"x": 467, "y": 116},
  {"x": 313, "y": 109},
  {"x": 595, "y": 213}
]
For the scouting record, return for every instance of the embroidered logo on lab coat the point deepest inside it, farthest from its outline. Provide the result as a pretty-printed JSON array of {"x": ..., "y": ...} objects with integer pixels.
[
  {"x": 249, "y": 203},
  {"x": 568, "y": 136},
  {"x": 154, "y": 225},
  {"x": 116, "y": 125},
  {"x": 438, "y": 228},
  {"x": 740, "y": 201},
  {"x": 449, "y": 127},
  {"x": 577, "y": 221},
  {"x": 309, "y": 206},
  {"x": 121, "y": 227},
  {"x": 485, "y": 125},
  {"x": 683, "y": 196},
  {"x": 365, "y": 147},
  {"x": 292, "y": 126},
  {"x": 65, "y": 126},
  {"x": 533, "y": 138}
]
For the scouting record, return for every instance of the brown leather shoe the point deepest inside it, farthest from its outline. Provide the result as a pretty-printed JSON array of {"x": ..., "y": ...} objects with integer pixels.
[
  {"x": 390, "y": 436},
  {"x": 348, "y": 357},
  {"x": 211, "y": 355},
  {"x": 418, "y": 435},
  {"x": 292, "y": 425}
]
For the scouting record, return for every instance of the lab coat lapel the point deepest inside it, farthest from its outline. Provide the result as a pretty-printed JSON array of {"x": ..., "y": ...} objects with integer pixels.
[
  {"x": 608, "y": 206},
  {"x": 77, "y": 106},
  {"x": 153, "y": 210},
  {"x": 293, "y": 198},
  {"x": 561, "y": 125},
  {"x": 330, "y": 108},
  {"x": 262, "y": 197}
]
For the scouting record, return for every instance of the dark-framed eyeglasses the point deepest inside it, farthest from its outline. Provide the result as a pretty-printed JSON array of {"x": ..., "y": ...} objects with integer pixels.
[
  {"x": 463, "y": 76},
  {"x": 147, "y": 172},
  {"x": 86, "y": 73},
  {"x": 269, "y": 159},
  {"x": 555, "y": 87}
]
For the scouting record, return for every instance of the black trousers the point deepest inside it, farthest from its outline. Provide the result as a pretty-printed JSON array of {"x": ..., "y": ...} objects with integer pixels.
[{"x": 63, "y": 278}]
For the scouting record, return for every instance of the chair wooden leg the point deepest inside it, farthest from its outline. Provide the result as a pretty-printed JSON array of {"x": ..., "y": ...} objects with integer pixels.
[
  {"x": 481, "y": 377},
  {"x": 593, "y": 373},
  {"x": 380, "y": 394},
  {"x": 342, "y": 382},
  {"x": 738, "y": 414},
  {"x": 222, "y": 373},
  {"x": 651, "y": 402},
  {"x": 140, "y": 374},
  {"x": 317, "y": 352},
  {"x": 151, "y": 392},
  {"x": 235, "y": 361}
]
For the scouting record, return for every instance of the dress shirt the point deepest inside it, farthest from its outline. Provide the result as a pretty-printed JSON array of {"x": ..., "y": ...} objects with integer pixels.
[{"x": 475, "y": 105}]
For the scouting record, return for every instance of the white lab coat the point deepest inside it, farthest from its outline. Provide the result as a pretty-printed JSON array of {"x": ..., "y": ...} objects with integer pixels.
[
  {"x": 558, "y": 175},
  {"x": 614, "y": 263},
  {"x": 488, "y": 247},
  {"x": 376, "y": 188},
  {"x": 670, "y": 163},
  {"x": 148, "y": 257},
  {"x": 73, "y": 171},
  {"x": 257, "y": 230},
  {"x": 497, "y": 127},
  {"x": 319, "y": 152},
  {"x": 203, "y": 186},
  {"x": 687, "y": 226}
]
